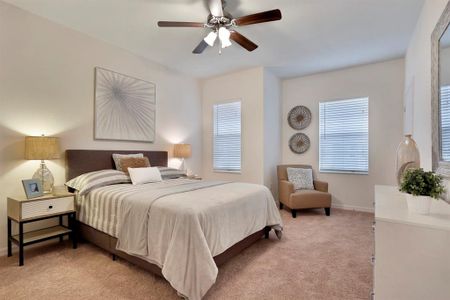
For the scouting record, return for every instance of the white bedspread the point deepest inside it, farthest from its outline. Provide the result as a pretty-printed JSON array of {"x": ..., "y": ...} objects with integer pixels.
[{"x": 180, "y": 225}]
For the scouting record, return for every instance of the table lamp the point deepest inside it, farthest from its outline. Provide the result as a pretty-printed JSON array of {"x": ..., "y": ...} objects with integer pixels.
[
  {"x": 42, "y": 148},
  {"x": 182, "y": 151}
]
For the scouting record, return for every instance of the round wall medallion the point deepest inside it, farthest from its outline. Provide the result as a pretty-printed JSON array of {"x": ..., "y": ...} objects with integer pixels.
[
  {"x": 299, "y": 117},
  {"x": 299, "y": 143}
]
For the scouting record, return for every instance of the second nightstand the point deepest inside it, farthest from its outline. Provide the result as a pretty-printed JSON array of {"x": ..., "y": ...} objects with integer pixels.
[{"x": 22, "y": 211}]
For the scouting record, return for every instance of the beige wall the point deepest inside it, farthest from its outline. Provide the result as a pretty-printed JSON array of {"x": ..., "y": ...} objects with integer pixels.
[
  {"x": 47, "y": 86},
  {"x": 272, "y": 130},
  {"x": 418, "y": 69},
  {"x": 260, "y": 93},
  {"x": 383, "y": 84},
  {"x": 246, "y": 86}
]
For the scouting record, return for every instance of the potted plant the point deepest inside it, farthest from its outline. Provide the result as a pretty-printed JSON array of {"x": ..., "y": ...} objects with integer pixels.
[{"x": 420, "y": 188}]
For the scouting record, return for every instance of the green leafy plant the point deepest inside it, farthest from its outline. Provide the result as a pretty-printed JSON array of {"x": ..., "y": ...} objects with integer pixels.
[{"x": 417, "y": 182}]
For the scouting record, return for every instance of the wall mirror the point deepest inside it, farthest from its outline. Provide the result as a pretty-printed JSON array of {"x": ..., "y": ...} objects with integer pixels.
[{"x": 441, "y": 95}]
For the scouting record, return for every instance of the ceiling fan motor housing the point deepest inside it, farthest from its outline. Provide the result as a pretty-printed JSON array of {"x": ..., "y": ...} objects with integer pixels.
[{"x": 223, "y": 21}]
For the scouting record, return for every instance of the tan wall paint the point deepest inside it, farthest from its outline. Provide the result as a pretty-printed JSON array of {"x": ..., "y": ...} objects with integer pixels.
[
  {"x": 246, "y": 86},
  {"x": 383, "y": 84},
  {"x": 272, "y": 130},
  {"x": 47, "y": 86},
  {"x": 418, "y": 69}
]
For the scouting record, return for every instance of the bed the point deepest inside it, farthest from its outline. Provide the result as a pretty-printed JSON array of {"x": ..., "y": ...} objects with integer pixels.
[{"x": 83, "y": 161}]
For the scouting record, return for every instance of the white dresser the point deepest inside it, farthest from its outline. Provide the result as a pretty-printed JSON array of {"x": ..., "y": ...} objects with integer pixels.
[{"x": 412, "y": 252}]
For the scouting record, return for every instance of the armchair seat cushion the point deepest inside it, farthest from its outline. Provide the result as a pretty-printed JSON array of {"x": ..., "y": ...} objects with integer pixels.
[{"x": 309, "y": 199}]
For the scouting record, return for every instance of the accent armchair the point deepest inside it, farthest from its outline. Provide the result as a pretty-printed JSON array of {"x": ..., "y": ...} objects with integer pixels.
[{"x": 302, "y": 199}]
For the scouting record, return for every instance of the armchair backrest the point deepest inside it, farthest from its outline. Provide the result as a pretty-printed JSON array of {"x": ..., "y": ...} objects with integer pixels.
[{"x": 282, "y": 170}]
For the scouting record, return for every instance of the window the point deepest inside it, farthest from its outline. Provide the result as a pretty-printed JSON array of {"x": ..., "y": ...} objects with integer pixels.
[
  {"x": 227, "y": 137},
  {"x": 445, "y": 122},
  {"x": 344, "y": 136}
]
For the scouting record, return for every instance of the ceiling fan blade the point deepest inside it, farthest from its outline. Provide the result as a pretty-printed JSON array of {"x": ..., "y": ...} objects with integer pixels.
[
  {"x": 200, "y": 48},
  {"x": 266, "y": 16},
  {"x": 180, "y": 24},
  {"x": 243, "y": 41},
  {"x": 215, "y": 7}
]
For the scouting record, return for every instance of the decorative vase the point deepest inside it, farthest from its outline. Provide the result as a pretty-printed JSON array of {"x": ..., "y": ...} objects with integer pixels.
[
  {"x": 408, "y": 157},
  {"x": 419, "y": 204}
]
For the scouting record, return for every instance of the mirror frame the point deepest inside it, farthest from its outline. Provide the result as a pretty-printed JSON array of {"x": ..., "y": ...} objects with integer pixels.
[{"x": 439, "y": 166}]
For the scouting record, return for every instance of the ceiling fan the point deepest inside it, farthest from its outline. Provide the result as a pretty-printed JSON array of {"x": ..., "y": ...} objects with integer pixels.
[{"x": 222, "y": 25}]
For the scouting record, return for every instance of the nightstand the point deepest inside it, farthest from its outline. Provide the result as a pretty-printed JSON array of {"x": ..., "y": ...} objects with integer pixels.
[{"x": 22, "y": 211}]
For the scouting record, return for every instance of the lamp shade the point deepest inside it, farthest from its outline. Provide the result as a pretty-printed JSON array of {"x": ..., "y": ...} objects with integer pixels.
[
  {"x": 182, "y": 150},
  {"x": 211, "y": 38},
  {"x": 41, "y": 148}
]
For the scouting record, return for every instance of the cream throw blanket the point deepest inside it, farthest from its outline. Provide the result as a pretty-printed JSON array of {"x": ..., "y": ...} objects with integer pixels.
[{"x": 182, "y": 227}]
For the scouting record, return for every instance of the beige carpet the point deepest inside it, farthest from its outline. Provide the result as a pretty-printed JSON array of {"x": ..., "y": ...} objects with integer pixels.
[{"x": 318, "y": 258}]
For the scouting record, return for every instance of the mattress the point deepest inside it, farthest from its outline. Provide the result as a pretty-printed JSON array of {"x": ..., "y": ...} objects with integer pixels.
[
  {"x": 180, "y": 224},
  {"x": 99, "y": 208}
]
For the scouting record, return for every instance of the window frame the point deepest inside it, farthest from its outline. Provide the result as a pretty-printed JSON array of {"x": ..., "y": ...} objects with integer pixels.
[
  {"x": 230, "y": 101},
  {"x": 368, "y": 138}
]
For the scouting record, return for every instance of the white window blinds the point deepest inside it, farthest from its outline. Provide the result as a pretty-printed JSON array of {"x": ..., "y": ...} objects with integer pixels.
[
  {"x": 344, "y": 136},
  {"x": 445, "y": 122},
  {"x": 227, "y": 137}
]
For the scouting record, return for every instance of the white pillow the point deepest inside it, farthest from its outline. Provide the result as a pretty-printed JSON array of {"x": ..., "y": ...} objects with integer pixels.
[
  {"x": 301, "y": 178},
  {"x": 144, "y": 175},
  {"x": 117, "y": 157}
]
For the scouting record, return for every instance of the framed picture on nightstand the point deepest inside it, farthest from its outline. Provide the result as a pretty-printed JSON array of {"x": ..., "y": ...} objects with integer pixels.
[{"x": 33, "y": 188}]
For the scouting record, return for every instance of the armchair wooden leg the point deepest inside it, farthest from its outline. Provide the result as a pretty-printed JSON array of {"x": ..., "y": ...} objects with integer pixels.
[
  {"x": 294, "y": 213},
  {"x": 281, "y": 205},
  {"x": 327, "y": 211}
]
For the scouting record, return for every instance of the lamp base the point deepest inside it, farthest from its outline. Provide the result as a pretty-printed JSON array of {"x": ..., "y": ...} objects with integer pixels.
[
  {"x": 182, "y": 166},
  {"x": 44, "y": 175}
]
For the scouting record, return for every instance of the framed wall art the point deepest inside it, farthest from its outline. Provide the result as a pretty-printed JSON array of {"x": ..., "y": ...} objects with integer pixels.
[{"x": 125, "y": 107}]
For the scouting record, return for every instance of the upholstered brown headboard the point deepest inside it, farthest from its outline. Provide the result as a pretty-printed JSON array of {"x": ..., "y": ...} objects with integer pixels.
[{"x": 82, "y": 161}]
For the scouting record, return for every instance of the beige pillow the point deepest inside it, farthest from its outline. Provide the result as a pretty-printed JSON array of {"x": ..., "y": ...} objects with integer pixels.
[{"x": 134, "y": 162}]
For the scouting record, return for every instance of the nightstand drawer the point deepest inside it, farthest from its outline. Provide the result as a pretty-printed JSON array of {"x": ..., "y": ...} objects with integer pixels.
[{"x": 41, "y": 208}]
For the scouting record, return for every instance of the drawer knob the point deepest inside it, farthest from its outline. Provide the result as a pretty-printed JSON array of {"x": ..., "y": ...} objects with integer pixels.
[{"x": 50, "y": 206}]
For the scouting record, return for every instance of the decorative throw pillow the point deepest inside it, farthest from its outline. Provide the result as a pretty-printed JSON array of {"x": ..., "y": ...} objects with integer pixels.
[
  {"x": 89, "y": 181},
  {"x": 301, "y": 178},
  {"x": 134, "y": 162},
  {"x": 144, "y": 175},
  {"x": 170, "y": 173},
  {"x": 117, "y": 157}
]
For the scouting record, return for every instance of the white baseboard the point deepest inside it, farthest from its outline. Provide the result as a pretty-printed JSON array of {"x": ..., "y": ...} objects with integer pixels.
[
  {"x": 15, "y": 248},
  {"x": 4, "y": 251},
  {"x": 354, "y": 208}
]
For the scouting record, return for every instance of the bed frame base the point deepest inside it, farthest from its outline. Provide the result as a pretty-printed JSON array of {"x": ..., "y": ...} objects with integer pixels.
[
  {"x": 82, "y": 161},
  {"x": 108, "y": 243}
]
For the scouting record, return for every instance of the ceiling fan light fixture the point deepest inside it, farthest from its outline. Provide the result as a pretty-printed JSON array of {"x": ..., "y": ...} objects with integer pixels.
[
  {"x": 211, "y": 38},
  {"x": 224, "y": 36}
]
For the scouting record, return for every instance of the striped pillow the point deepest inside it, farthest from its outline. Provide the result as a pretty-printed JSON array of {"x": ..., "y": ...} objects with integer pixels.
[
  {"x": 170, "y": 173},
  {"x": 89, "y": 181}
]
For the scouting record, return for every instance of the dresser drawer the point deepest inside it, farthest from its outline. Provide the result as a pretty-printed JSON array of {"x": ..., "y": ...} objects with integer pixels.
[{"x": 34, "y": 209}]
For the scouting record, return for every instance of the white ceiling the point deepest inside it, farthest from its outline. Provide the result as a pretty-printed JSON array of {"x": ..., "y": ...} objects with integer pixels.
[{"x": 313, "y": 36}]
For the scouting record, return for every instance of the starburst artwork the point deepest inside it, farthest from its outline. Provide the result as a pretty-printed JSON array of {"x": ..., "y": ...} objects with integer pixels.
[{"x": 125, "y": 107}]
